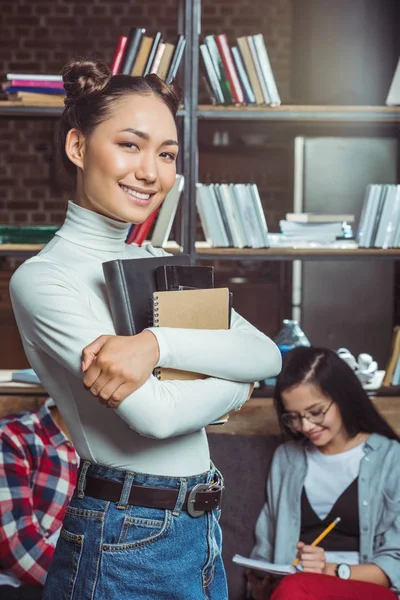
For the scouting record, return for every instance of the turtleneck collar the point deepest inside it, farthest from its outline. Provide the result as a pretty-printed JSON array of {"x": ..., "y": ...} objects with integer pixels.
[{"x": 91, "y": 230}]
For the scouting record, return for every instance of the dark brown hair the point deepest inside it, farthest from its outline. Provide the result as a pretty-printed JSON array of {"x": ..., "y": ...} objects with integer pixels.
[
  {"x": 324, "y": 369},
  {"x": 91, "y": 90}
]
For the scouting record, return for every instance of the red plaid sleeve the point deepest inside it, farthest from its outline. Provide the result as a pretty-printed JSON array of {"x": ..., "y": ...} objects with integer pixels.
[{"x": 23, "y": 548}]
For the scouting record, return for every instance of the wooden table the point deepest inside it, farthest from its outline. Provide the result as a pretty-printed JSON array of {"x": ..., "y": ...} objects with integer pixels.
[{"x": 257, "y": 417}]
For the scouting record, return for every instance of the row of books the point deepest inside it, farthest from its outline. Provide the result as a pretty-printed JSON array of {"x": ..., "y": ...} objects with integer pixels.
[
  {"x": 232, "y": 215},
  {"x": 392, "y": 374},
  {"x": 35, "y": 89},
  {"x": 380, "y": 217},
  {"x": 239, "y": 75},
  {"x": 135, "y": 54},
  {"x": 139, "y": 54}
]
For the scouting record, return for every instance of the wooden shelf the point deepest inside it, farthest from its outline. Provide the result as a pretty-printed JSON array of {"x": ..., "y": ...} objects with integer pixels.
[
  {"x": 53, "y": 109},
  {"x": 203, "y": 253},
  {"x": 373, "y": 114},
  {"x": 258, "y": 417},
  {"x": 26, "y": 250}
]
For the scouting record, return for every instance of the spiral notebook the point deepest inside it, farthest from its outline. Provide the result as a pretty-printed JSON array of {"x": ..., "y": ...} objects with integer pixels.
[{"x": 191, "y": 309}]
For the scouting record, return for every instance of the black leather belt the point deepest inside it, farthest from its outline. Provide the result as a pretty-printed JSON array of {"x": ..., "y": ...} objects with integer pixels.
[{"x": 203, "y": 497}]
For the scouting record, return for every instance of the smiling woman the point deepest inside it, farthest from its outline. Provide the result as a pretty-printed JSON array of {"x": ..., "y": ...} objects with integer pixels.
[
  {"x": 143, "y": 522},
  {"x": 343, "y": 461}
]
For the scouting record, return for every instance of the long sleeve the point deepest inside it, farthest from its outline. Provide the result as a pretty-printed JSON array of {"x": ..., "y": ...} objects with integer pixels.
[
  {"x": 23, "y": 548},
  {"x": 55, "y": 316},
  {"x": 241, "y": 353}
]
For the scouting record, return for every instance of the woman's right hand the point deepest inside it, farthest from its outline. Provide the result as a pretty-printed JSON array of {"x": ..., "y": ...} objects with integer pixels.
[{"x": 259, "y": 586}]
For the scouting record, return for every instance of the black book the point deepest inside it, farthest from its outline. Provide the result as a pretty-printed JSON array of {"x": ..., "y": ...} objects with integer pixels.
[
  {"x": 174, "y": 277},
  {"x": 176, "y": 59},
  {"x": 130, "y": 285},
  {"x": 132, "y": 48},
  {"x": 153, "y": 50}
]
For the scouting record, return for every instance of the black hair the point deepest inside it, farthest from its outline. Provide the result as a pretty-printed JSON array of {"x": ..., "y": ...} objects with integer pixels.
[
  {"x": 324, "y": 369},
  {"x": 91, "y": 89}
]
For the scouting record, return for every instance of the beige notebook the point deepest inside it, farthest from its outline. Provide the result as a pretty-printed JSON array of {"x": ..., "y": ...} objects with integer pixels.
[{"x": 191, "y": 309}]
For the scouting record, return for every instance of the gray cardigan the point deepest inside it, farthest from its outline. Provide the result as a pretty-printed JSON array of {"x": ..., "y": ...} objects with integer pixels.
[{"x": 278, "y": 526}]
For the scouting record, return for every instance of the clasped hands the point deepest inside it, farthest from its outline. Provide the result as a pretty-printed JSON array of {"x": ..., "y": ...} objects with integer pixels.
[{"x": 116, "y": 366}]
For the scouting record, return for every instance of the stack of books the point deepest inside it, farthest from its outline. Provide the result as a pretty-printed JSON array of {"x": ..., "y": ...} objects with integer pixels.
[
  {"x": 239, "y": 75},
  {"x": 380, "y": 217},
  {"x": 139, "y": 54},
  {"x": 34, "y": 89},
  {"x": 313, "y": 230},
  {"x": 232, "y": 215}
]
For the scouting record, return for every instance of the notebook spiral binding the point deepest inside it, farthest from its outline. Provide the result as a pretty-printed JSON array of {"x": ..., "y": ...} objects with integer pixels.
[{"x": 155, "y": 320}]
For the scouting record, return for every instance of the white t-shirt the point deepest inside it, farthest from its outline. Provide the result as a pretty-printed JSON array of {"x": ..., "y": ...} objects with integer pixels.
[
  {"x": 337, "y": 472},
  {"x": 61, "y": 305}
]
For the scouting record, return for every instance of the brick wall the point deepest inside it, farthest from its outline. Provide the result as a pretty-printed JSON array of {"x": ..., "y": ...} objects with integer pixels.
[{"x": 41, "y": 36}]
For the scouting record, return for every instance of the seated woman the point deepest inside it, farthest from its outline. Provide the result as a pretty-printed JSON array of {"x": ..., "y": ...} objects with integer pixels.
[{"x": 343, "y": 460}]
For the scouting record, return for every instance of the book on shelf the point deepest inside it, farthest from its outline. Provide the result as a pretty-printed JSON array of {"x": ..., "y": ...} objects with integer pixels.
[
  {"x": 232, "y": 215},
  {"x": 131, "y": 49},
  {"x": 176, "y": 59},
  {"x": 34, "y": 77},
  {"x": 157, "y": 58},
  {"x": 150, "y": 59},
  {"x": 379, "y": 225},
  {"x": 312, "y": 232},
  {"x": 248, "y": 62},
  {"x": 165, "y": 61},
  {"x": 391, "y": 376},
  {"x": 142, "y": 56},
  {"x": 393, "y": 97},
  {"x": 167, "y": 212},
  {"x": 240, "y": 74},
  {"x": 319, "y": 218},
  {"x": 119, "y": 51}
]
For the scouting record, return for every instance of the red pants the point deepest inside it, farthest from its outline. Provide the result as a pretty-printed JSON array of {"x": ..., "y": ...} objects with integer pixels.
[{"x": 310, "y": 586}]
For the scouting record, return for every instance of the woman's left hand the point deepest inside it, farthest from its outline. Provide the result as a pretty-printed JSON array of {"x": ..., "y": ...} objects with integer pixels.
[
  {"x": 117, "y": 366},
  {"x": 312, "y": 558}
]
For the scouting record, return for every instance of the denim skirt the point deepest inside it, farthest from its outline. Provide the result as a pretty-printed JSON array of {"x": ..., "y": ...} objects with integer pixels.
[{"x": 113, "y": 550}]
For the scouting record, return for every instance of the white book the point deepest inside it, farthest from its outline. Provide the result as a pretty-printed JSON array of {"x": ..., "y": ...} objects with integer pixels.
[
  {"x": 167, "y": 213},
  {"x": 262, "y": 223},
  {"x": 319, "y": 218},
  {"x": 206, "y": 215},
  {"x": 396, "y": 373},
  {"x": 257, "y": 65},
  {"x": 249, "y": 215},
  {"x": 393, "y": 220},
  {"x": 244, "y": 80},
  {"x": 377, "y": 214},
  {"x": 239, "y": 239},
  {"x": 266, "y": 69},
  {"x": 393, "y": 97},
  {"x": 388, "y": 203},
  {"x": 368, "y": 219},
  {"x": 34, "y": 77},
  {"x": 263, "y": 565},
  {"x": 212, "y": 76}
]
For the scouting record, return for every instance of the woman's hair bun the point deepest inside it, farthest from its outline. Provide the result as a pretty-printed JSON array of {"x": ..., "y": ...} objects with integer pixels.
[{"x": 83, "y": 77}]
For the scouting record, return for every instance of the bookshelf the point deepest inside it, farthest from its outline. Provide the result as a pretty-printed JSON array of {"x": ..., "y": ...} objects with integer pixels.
[{"x": 191, "y": 114}]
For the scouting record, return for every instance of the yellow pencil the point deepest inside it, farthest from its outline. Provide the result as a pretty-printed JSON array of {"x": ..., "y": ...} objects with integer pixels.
[{"x": 320, "y": 537}]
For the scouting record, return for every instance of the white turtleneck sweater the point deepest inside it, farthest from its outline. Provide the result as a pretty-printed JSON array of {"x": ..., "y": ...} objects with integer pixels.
[{"x": 60, "y": 303}]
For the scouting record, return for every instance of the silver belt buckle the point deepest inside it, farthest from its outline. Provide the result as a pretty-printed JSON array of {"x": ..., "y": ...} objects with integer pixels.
[{"x": 201, "y": 487}]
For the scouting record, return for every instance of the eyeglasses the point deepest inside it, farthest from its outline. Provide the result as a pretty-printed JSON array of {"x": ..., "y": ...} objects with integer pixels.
[{"x": 294, "y": 421}]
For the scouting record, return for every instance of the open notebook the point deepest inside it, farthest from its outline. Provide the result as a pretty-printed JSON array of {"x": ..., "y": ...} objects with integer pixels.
[{"x": 263, "y": 565}]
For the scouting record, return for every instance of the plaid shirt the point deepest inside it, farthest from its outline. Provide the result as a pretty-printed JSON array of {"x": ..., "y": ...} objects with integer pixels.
[{"x": 38, "y": 468}]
